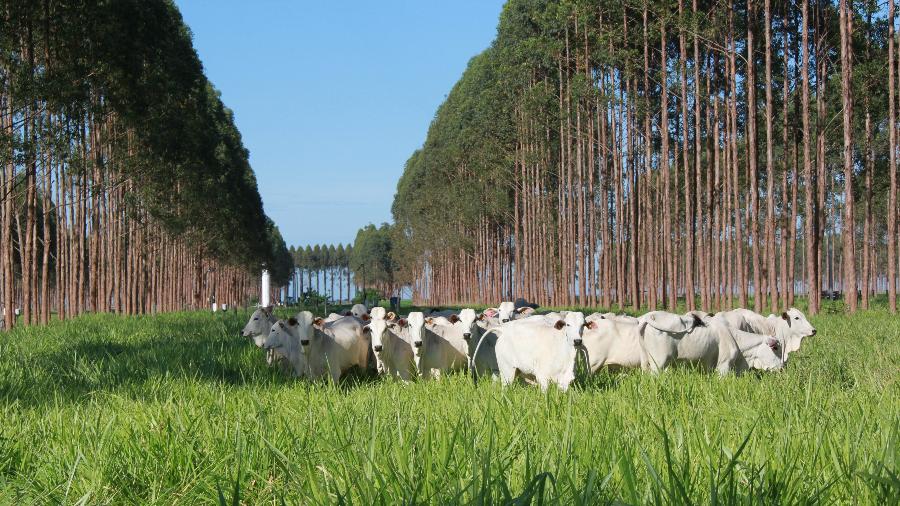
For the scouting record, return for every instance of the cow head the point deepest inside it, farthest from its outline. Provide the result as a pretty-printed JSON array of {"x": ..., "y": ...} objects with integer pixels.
[
  {"x": 375, "y": 329},
  {"x": 766, "y": 356},
  {"x": 468, "y": 321},
  {"x": 573, "y": 326},
  {"x": 798, "y": 323},
  {"x": 506, "y": 311},
  {"x": 377, "y": 313},
  {"x": 280, "y": 335},
  {"x": 259, "y": 324},
  {"x": 359, "y": 310},
  {"x": 378, "y": 327},
  {"x": 794, "y": 328},
  {"x": 416, "y": 321}
]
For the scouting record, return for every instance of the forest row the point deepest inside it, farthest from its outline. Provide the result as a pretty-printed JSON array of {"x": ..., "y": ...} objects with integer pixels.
[
  {"x": 124, "y": 183},
  {"x": 640, "y": 153}
]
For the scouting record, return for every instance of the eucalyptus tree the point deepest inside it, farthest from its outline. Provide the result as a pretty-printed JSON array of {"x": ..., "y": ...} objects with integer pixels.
[{"x": 125, "y": 185}]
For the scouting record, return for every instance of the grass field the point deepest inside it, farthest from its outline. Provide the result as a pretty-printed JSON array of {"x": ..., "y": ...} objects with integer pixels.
[{"x": 179, "y": 409}]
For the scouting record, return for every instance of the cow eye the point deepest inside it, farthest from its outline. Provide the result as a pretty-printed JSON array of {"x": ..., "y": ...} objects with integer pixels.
[
  {"x": 257, "y": 318},
  {"x": 796, "y": 317}
]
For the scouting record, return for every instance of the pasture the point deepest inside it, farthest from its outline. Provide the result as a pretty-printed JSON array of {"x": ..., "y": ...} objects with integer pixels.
[{"x": 178, "y": 409}]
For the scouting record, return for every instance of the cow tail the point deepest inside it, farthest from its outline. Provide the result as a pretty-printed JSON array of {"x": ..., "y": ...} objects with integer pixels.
[{"x": 472, "y": 367}]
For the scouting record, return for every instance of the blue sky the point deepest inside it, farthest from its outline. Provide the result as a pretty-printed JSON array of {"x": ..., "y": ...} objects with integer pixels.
[{"x": 332, "y": 97}]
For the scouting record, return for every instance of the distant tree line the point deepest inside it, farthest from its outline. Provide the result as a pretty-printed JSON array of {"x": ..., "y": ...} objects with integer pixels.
[
  {"x": 371, "y": 265},
  {"x": 124, "y": 183},
  {"x": 632, "y": 153},
  {"x": 324, "y": 269}
]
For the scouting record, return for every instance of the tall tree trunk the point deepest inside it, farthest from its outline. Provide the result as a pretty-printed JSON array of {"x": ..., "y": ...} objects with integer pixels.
[
  {"x": 811, "y": 229},
  {"x": 848, "y": 225}
]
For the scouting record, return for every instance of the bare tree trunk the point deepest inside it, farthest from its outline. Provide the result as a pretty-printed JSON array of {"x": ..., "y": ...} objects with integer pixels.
[
  {"x": 848, "y": 225},
  {"x": 812, "y": 226}
]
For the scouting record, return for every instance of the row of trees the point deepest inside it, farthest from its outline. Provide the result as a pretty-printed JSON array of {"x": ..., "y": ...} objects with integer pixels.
[
  {"x": 634, "y": 152},
  {"x": 370, "y": 264},
  {"x": 320, "y": 268},
  {"x": 124, "y": 185}
]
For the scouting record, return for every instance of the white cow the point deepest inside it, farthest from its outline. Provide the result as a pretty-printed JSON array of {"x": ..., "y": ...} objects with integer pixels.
[
  {"x": 393, "y": 348},
  {"x": 666, "y": 338},
  {"x": 791, "y": 327},
  {"x": 416, "y": 323},
  {"x": 330, "y": 348},
  {"x": 285, "y": 339},
  {"x": 711, "y": 342},
  {"x": 612, "y": 342},
  {"x": 258, "y": 327},
  {"x": 540, "y": 351},
  {"x": 445, "y": 343}
]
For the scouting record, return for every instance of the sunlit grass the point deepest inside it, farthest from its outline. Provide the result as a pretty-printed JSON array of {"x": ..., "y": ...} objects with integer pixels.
[{"x": 179, "y": 409}]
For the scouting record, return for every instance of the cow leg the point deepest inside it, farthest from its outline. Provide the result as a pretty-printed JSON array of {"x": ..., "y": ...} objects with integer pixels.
[
  {"x": 724, "y": 368},
  {"x": 507, "y": 374},
  {"x": 335, "y": 374}
]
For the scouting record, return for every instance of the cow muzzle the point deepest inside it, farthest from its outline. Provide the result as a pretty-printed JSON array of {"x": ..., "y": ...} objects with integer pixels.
[
  {"x": 377, "y": 348},
  {"x": 814, "y": 332},
  {"x": 505, "y": 320},
  {"x": 304, "y": 342},
  {"x": 577, "y": 342},
  {"x": 417, "y": 344},
  {"x": 467, "y": 336}
]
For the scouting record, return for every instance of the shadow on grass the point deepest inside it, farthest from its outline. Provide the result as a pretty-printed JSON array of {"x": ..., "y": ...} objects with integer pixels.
[
  {"x": 69, "y": 362},
  {"x": 136, "y": 357}
]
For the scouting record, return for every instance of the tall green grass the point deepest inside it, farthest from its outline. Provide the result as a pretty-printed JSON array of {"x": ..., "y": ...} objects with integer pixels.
[{"x": 177, "y": 409}]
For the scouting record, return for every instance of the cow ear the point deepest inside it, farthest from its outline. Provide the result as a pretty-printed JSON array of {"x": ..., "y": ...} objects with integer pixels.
[
  {"x": 401, "y": 322},
  {"x": 785, "y": 317},
  {"x": 292, "y": 322},
  {"x": 590, "y": 325},
  {"x": 453, "y": 318},
  {"x": 559, "y": 325},
  {"x": 367, "y": 329},
  {"x": 390, "y": 316},
  {"x": 318, "y": 322},
  {"x": 365, "y": 317},
  {"x": 481, "y": 317},
  {"x": 429, "y": 321},
  {"x": 698, "y": 322}
]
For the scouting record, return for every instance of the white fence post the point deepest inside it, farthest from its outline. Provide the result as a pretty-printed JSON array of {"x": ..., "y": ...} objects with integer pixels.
[{"x": 264, "y": 296}]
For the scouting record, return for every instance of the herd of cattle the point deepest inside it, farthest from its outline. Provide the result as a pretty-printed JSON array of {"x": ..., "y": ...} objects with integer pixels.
[{"x": 508, "y": 342}]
